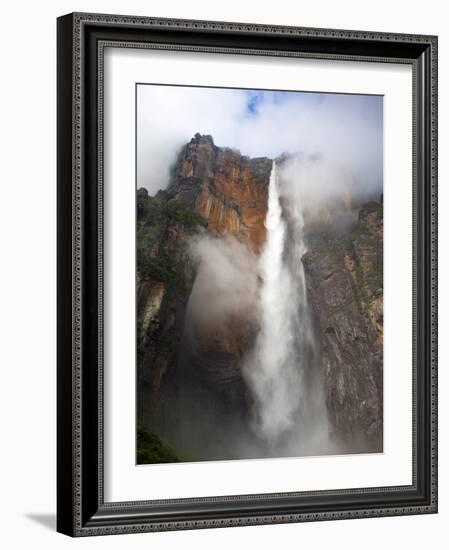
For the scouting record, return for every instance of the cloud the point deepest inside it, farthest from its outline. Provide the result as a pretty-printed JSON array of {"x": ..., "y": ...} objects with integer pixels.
[
  {"x": 226, "y": 284},
  {"x": 168, "y": 117},
  {"x": 345, "y": 129}
]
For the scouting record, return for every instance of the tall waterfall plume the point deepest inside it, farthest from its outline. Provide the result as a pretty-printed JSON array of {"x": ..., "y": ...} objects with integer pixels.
[{"x": 276, "y": 370}]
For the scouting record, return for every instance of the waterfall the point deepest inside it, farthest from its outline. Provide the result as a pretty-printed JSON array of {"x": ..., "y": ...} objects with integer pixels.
[{"x": 276, "y": 371}]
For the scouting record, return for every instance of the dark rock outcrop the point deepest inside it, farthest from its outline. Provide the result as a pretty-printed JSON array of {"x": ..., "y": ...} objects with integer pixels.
[
  {"x": 190, "y": 382},
  {"x": 189, "y": 379},
  {"x": 344, "y": 281}
]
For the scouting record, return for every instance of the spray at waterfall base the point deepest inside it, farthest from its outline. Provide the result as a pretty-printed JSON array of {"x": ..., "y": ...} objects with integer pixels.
[
  {"x": 283, "y": 370},
  {"x": 278, "y": 353}
]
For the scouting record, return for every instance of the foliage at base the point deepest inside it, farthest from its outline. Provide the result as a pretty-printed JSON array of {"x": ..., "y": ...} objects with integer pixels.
[{"x": 151, "y": 449}]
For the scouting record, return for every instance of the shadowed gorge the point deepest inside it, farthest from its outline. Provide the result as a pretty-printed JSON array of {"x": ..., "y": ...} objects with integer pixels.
[{"x": 259, "y": 310}]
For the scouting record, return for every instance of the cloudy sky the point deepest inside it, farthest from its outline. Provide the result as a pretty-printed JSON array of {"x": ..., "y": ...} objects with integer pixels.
[{"x": 346, "y": 130}]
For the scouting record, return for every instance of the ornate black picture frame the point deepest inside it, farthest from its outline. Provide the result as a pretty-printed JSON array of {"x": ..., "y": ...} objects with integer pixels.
[{"x": 81, "y": 509}]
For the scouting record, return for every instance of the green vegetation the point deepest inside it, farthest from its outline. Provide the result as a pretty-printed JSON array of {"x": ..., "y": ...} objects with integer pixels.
[
  {"x": 184, "y": 216},
  {"x": 367, "y": 248},
  {"x": 159, "y": 212},
  {"x": 162, "y": 225},
  {"x": 151, "y": 449},
  {"x": 163, "y": 268}
]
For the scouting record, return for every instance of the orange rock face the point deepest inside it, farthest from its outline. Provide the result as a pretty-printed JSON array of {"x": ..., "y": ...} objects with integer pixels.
[{"x": 227, "y": 189}]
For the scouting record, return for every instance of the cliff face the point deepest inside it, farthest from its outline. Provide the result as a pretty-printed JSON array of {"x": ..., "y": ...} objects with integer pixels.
[
  {"x": 189, "y": 375},
  {"x": 344, "y": 281},
  {"x": 183, "y": 367},
  {"x": 227, "y": 189}
]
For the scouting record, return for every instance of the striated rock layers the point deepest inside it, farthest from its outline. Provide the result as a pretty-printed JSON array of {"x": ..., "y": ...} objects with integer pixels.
[
  {"x": 190, "y": 386},
  {"x": 344, "y": 281},
  {"x": 189, "y": 375},
  {"x": 227, "y": 189}
]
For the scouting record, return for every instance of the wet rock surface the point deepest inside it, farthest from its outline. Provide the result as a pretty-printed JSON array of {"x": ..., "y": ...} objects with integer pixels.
[
  {"x": 189, "y": 378},
  {"x": 190, "y": 386},
  {"x": 344, "y": 280}
]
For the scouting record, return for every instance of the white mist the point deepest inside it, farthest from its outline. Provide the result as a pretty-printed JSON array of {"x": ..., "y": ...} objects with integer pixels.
[{"x": 275, "y": 374}]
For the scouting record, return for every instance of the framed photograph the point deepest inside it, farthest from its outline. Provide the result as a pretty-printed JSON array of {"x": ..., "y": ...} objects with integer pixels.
[{"x": 247, "y": 284}]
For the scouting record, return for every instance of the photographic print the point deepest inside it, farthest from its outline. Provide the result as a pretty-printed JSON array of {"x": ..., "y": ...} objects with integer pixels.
[
  {"x": 259, "y": 273},
  {"x": 223, "y": 277}
]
